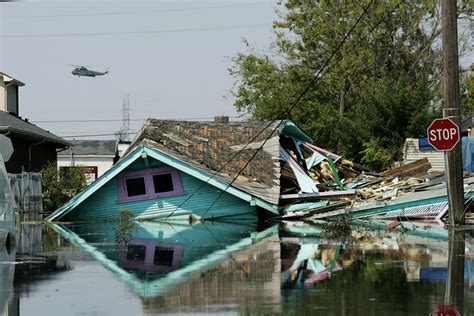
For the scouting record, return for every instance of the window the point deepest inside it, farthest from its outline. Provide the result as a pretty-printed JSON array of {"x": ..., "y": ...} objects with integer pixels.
[
  {"x": 136, "y": 253},
  {"x": 135, "y": 186},
  {"x": 149, "y": 184},
  {"x": 163, "y": 183},
  {"x": 163, "y": 256}
]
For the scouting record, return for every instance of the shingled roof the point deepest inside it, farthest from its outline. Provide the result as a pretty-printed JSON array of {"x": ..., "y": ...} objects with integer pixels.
[
  {"x": 210, "y": 146},
  {"x": 16, "y": 125},
  {"x": 91, "y": 147}
]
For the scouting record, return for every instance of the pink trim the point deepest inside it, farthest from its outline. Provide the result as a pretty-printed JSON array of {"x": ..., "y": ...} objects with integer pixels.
[
  {"x": 147, "y": 175},
  {"x": 322, "y": 151}
]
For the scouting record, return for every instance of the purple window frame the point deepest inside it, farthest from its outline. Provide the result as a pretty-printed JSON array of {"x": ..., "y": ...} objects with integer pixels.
[{"x": 147, "y": 175}]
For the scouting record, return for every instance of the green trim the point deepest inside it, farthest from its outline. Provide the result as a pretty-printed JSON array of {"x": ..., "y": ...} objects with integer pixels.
[
  {"x": 378, "y": 210},
  {"x": 334, "y": 171},
  {"x": 291, "y": 129}
]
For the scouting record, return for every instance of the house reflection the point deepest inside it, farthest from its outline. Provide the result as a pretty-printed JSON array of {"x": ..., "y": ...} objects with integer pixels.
[{"x": 174, "y": 266}]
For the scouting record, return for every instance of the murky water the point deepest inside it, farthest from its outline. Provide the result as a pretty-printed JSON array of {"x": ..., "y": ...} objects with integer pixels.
[{"x": 225, "y": 268}]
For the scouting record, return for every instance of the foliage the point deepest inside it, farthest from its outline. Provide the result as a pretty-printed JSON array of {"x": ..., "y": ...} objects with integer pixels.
[
  {"x": 123, "y": 231},
  {"x": 382, "y": 85},
  {"x": 60, "y": 187},
  {"x": 467, "y": 94}
]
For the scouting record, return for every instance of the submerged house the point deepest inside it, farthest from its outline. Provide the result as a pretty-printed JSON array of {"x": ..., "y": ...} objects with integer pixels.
[{"x": 204, "y": 170}]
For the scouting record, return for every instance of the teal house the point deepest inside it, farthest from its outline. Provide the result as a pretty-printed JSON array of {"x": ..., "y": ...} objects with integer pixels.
[{"x": 194, "y": 170}]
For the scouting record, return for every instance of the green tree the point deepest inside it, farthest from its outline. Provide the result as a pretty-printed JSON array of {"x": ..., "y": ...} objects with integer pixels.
[
  {"x": 60, "y": 186},
  {"x": 382, "y": 86}
]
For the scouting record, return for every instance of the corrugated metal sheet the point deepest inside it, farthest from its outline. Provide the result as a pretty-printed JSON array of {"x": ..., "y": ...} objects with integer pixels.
[
  {"x": 411, "y": 152},
  {"x": 423, "y": 211},
  {"x": 104, "y": 203}
]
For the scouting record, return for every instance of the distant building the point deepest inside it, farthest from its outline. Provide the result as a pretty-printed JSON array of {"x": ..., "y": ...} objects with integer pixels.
[
  {"x": 96, "y": 156},
  {"x": 33, "y": 146},
  {"x": 122, "y": 147}
]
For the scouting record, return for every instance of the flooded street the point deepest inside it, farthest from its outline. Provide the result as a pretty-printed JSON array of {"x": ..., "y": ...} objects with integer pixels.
[{"x": 225, "y": 268}]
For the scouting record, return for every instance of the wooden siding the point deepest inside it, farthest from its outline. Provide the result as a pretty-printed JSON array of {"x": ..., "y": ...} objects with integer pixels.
[
  {"x": 104, "y": 203},
  {"x": 411, "y": 152}
]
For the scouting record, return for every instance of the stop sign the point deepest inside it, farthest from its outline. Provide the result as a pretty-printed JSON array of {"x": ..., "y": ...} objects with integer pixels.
[{"x": 443, "y": 134}]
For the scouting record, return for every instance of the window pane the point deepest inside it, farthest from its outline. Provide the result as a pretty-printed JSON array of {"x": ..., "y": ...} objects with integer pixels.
[
  {"x": 163, "y": 182},
  {"x": 163, "y": 257},
  {"x": 136, "y": 253},
  {"x": 135, "y": 186}
]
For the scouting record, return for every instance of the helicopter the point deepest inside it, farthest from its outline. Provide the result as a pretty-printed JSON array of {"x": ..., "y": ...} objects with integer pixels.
[{"x": 83, "y": 71}]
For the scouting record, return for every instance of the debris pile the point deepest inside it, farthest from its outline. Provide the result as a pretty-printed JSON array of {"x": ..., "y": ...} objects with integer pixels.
[{"x": 318, "y": 184}]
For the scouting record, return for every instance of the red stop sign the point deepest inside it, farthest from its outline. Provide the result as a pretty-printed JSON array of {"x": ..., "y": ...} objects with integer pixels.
[{"x": 443, "y": 134}]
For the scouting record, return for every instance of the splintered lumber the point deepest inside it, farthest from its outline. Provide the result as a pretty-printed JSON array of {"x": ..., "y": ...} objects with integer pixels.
[
  {"x": 319, "y": 195},
  {"x": 419, "y": 166}
]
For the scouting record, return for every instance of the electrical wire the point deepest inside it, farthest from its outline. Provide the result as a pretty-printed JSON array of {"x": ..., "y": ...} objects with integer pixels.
[
  {"x": 290, "y": 108},
  {"x": 119, "y": 120},
  {"x": 164, "y": 31},
  {"x": 93, "y": 135},
  {"x": 138, "y": 12}
]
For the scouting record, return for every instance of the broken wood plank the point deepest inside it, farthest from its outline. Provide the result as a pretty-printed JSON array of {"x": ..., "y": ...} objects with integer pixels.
[{"x": 419, "y": 166}]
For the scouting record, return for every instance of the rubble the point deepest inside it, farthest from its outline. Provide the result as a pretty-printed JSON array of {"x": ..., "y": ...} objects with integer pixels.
[{"x": 407, "y": 192}]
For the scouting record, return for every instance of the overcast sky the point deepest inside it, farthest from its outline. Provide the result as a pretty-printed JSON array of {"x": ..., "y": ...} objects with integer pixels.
[{"x": 171, "y": 57}]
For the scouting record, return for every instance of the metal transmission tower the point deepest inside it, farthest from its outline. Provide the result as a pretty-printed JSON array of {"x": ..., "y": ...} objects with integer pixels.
[{"x": 124, "y": 133}]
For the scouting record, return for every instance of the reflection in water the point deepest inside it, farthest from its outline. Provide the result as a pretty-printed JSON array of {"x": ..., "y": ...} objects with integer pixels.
[
  {"x": 160, "y": 261},
  {"x": 231, "y": 267},
  {"x": 454, "y": 294},
  {"x": 7, "y": 270}
]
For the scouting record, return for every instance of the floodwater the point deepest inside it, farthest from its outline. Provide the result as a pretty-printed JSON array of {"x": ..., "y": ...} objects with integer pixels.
[{"x": 152, "y": 268}]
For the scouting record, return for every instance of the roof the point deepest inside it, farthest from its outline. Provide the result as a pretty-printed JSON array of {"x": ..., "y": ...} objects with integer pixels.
[
  {"x": 16, "y": 125},
  {"x": 91, "y": 147},
  {"x": 209, "y": 147},
  {"x": 8, "y": 78}
]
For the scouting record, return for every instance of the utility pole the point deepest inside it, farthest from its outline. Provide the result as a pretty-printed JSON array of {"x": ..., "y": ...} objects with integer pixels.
[
  {"x": 452, "y": 109},
  {"x": 454, "y": 294}
]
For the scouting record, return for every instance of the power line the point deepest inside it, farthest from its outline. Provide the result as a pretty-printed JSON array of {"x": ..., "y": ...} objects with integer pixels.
[
  {"x": 92, "y": 135},
  {"x": 138, "y": 12},
  {"x": 120, "y": 120},
  {"x": 295, "y": 103},
  {"x": 183, "y": 30},
  {"x": 287, "y": 112}
]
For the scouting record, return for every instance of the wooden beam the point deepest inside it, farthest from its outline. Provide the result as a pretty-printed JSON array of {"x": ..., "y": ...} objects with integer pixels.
[{"x": 419, "y": 166}]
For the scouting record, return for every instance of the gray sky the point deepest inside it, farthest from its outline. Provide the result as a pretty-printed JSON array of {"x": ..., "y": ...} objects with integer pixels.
[{"x": 171, "y": 57}]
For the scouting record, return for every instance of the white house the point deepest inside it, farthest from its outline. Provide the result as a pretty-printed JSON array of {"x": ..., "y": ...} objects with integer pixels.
[{"x": 96, "y": 156}]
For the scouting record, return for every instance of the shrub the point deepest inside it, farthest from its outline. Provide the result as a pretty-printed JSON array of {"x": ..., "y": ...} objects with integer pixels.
[{"x": 60, "y": 186}]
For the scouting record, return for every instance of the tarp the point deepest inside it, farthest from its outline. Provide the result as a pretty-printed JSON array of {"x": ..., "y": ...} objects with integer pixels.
[{"x": 467, "y": 153}]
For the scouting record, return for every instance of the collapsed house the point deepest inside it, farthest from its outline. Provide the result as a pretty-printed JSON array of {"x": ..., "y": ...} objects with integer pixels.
[
  {"x": 204, "y": 170},
  {"x": 198, "y": 170}
]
